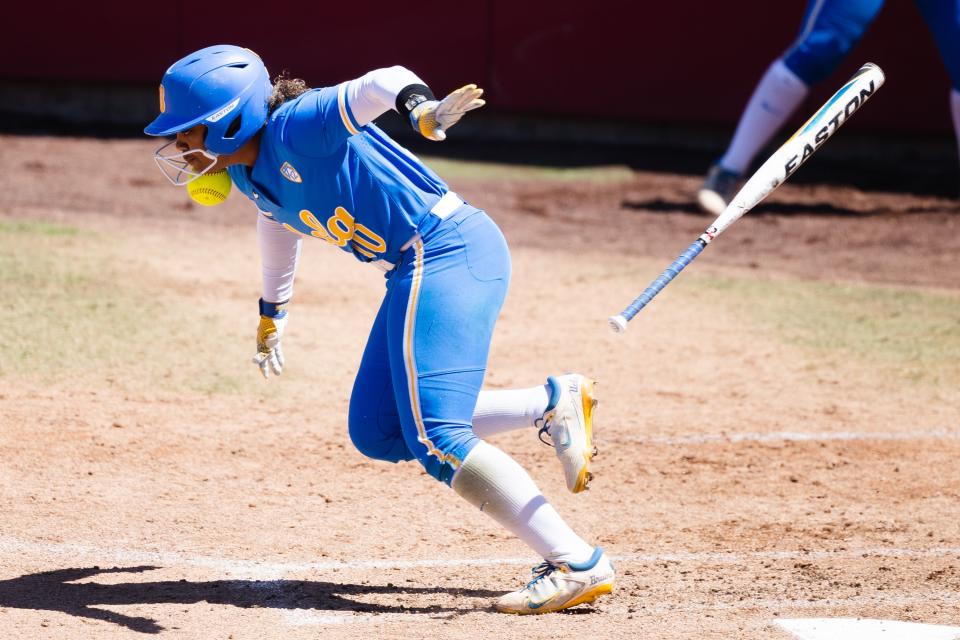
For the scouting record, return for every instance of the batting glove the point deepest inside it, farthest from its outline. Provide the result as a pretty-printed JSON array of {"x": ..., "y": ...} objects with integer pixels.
[
  {"x": 433, "y": 117},
  {"x": 273, "y": 319}
]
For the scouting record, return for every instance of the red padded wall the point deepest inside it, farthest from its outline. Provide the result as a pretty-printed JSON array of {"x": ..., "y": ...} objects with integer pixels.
[{"x": 676, "y": 62}]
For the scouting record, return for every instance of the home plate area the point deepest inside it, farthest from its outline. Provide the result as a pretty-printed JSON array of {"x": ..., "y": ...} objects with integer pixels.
[{"x": 862, "y": 629}]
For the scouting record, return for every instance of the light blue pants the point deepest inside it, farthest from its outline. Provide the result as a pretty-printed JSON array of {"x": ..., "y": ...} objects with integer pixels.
[{"x": 424, "y": 362}]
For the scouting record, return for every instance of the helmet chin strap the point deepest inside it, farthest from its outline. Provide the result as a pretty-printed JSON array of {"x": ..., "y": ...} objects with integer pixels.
[{"x": 176, "y": 168}]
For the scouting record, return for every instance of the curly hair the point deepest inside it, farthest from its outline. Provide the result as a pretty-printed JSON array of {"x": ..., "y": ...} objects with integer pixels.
[{"x": 285, "y": 88}]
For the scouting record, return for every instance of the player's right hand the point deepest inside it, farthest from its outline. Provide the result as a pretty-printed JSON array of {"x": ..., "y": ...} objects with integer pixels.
[
  {"x": 432, "y": 118},
  {"x": 273, "y": 319}
]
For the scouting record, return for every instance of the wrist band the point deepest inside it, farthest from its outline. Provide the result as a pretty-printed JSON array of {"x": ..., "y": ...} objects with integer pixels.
[
  {"x": 411, "y": 96},
  {"x": 273, "y": 309}
]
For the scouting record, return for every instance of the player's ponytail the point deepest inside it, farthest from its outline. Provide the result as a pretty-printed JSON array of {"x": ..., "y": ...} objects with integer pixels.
[{"x": 285, "y": 88}]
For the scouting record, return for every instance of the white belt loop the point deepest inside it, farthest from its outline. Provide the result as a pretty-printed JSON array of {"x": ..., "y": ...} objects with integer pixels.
[{"x": 449, "y": 203}]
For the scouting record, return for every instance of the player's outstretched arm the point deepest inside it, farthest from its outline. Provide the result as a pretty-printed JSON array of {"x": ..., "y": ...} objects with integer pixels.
[{"x": 376, "y": 92}]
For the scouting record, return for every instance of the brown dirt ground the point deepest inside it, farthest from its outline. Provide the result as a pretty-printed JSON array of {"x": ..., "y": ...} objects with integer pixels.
[{"x": 129, "y": 511}]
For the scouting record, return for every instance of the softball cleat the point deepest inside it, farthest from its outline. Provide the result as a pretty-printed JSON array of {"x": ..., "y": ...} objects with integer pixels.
[
  {"x": 718, "y": 189},
  {"x": 568, "y": 422},
  {"x": 560, "y": 586}
]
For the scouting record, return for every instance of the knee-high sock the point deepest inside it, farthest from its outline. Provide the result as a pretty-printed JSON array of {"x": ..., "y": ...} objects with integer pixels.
[
  {"x": 955, "y": 112},
  {"x": 774, "y": 100},
  {"x": 493, "y": 482},
  {"x": 505, "y": 410}
]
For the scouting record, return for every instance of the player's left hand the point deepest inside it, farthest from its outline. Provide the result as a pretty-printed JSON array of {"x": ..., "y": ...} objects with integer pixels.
[
  {"x": 433, "y": 117},
  {"x": 273, "y": 320}
]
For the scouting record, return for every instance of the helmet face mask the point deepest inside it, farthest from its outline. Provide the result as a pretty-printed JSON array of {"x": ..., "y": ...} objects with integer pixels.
[
  {"x": 177, "y": 169},
  {"x": 226, "y": 89}
]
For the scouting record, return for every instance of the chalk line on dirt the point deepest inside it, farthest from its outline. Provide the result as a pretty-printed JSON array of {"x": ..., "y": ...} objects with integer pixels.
[
  {"x": 271, "y": 570},
  {"x": 865, "y": 629},
  {"x": 307, "y": 617},
  {"x": 788, "y": 436}
]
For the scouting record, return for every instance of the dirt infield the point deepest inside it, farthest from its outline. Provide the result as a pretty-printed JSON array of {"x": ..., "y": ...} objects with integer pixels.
[{"x": 779, "y": 431}]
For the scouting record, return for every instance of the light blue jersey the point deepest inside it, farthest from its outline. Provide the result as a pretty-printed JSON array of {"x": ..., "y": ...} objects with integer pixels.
[{"x": 320, "y": 174}]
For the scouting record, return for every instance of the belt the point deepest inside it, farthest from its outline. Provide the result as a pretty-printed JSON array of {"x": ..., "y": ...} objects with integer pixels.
[{"x": 446, "y": 205}]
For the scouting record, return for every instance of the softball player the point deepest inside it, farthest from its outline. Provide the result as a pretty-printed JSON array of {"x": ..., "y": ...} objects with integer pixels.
[
  {"x": 316, "y": 167},
  {"x": 830, "y": 29}
]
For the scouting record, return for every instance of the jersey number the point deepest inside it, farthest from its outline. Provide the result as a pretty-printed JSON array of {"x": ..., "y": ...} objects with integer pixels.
[{"x": 342, "y": 228}]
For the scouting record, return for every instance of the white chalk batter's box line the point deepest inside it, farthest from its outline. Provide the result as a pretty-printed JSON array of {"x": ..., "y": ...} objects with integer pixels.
[
  {"x": 11, "y": 546},
  {"x": 307, "y": 617},
  {"x": 788, "y": 436}
]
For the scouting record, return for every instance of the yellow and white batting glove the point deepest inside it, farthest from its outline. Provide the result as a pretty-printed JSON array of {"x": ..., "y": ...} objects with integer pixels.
[
  {"x": 273, "y": 319},
  {"x": 433, "y": 117}
]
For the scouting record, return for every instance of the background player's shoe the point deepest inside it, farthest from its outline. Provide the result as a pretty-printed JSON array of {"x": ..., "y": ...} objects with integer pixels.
[
  {"x": 718, "y": 188},
  {"x": 568, "y": 421},
  {"x": 555, "y": 587}
]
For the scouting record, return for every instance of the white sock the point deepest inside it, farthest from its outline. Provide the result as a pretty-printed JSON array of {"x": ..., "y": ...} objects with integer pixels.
[
  {"x": 776, "y": 97},
  {"x": 955, "y": 112},
  {"x": 505, "y": 410},
  {"x": 493, "y": 482}
]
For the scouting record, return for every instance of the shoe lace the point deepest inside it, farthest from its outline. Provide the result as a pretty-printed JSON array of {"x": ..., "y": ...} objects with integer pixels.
[
  {"x": 543, "y": 424},
  {"x": 541, "y": 571}
]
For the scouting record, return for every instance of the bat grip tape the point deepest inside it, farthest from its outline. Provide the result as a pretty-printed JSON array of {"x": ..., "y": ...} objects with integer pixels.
[{"x": 668, "y": 274}]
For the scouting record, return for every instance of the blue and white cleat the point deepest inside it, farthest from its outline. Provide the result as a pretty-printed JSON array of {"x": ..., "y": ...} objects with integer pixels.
[
  {"x": 718, "y": 189},
  {"x": 557, "y": 587},
  {"x": 568, "y": 421}
]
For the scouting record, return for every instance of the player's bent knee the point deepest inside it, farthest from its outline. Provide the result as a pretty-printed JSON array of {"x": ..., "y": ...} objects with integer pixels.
[
  {"x": 818, "y": 56},
  {"x": 443, "y": 451},
  {"x": 836, "y": 30}
]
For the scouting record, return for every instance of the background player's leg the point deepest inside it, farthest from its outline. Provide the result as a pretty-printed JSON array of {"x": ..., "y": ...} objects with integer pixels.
[
  {"x": 774, "y": 100},
  {"x": 943, "y": 19},
  {"x": 955, "y": 113},
  {"x": 830, "y": 28}
]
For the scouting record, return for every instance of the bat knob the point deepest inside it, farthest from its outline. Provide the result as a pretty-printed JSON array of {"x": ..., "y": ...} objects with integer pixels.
[{"x": 618, "y": 324}]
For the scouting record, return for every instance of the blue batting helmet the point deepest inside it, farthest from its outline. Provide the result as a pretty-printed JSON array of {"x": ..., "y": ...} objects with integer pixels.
[{"x": 223, "y": 87}]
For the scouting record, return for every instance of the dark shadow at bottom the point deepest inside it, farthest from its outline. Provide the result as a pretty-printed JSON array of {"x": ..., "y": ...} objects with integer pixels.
[{"x": 58, "y": 591}]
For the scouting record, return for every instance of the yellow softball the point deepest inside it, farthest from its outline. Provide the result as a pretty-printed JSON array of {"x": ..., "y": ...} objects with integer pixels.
[{"x": 211, "y": 188}]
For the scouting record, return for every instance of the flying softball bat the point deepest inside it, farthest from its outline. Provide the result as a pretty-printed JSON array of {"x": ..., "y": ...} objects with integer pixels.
[{"x": 774, "y": 172}]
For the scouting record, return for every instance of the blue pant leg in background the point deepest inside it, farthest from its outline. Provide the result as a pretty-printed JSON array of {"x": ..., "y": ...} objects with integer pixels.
[
  {"x": 830, "y": 29},
  {"x": 943, "y": 18}
]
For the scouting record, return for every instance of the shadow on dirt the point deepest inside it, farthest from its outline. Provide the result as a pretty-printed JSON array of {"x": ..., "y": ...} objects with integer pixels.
[{"x": 58, "y": 591}]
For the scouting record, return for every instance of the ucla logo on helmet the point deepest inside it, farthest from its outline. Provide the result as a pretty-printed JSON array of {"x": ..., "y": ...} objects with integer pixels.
[
  {"x": 288, "y": 172},
  {"x": 163, "y": 101}
]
